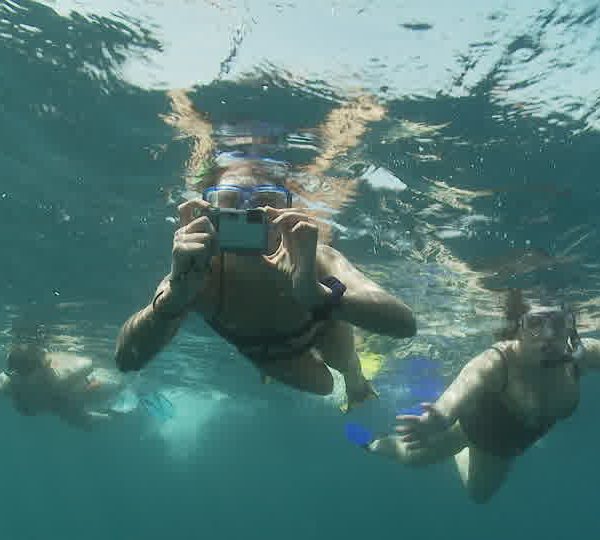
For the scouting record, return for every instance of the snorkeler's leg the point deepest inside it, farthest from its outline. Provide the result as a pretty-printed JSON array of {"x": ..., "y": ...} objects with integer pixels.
[
  {"x": 365, "y": 304},
  {"x": 443, "y": 447},
  {"x": 337, "y": 348},
  {"x": 306, "y": 372},
  {"x": 481, "y": 473}
]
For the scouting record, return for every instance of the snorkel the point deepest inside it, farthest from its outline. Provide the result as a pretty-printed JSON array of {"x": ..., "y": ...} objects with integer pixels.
[{"x": 577, "y": 349}]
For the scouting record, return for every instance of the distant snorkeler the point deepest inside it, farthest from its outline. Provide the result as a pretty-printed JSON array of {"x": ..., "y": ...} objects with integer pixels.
[
  {"x": 502, "y": 402},
  {"x": 290, "y": 304},
  {"x": 64, "y": 384},
  {"x": 70, "y": 387}
]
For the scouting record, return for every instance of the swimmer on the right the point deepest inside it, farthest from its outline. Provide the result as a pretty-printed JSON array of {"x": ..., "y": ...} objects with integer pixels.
[{"x": 502, "y": 402}]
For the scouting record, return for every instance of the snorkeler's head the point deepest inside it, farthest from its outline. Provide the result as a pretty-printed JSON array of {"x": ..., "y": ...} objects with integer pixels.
[
  {"x": 547, "y": 328},
  {"x": 24, "y": 359},
  {"x": 248, "y": 182}
]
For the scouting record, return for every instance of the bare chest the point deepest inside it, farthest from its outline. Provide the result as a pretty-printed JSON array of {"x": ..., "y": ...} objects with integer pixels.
[{"x": 252, "y": 304}]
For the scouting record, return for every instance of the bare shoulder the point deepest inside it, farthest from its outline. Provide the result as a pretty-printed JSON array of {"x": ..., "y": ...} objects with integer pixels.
[
  {"x": 72, "y": 359},
  {"x": 591, "y": 356},
  {"x": 327, "y": 257},
  {"x": 591, "y": 345},
  {"x": 490, "y": 364},
  {"x": 499, "y": 352},
  {"x": 330, "y": 260},
  {"x": 326, "y": 252},
  {"x": 64, "y": 367}
]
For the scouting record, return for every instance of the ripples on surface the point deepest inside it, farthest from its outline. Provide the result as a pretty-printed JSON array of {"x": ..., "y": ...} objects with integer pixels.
[{"x": 476, "y": 171}]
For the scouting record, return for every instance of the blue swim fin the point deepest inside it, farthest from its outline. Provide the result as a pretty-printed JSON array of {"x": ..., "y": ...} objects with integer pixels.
[{"x": 359, "y": 435}]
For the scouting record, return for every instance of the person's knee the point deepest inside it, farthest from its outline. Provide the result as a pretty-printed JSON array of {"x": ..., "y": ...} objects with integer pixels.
[{"x": 318, "y": 381}]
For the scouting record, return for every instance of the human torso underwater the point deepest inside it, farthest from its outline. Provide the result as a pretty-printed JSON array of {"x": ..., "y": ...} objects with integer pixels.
[
  {"x": 541, "y": 395},
  {"x": 249, "y": 299}
]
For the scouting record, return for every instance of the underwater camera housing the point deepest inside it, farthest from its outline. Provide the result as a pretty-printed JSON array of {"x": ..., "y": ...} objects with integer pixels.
[{"x": 241, "y": 231}]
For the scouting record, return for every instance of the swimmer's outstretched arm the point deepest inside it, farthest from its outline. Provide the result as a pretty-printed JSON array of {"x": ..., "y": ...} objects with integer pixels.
[
  {"x": 365, "y": 304},
  {"x": 428, "y": 437}
]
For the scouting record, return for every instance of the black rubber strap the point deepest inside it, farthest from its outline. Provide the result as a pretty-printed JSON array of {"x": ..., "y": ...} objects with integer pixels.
[
  {"x": 323, "y": 312},
  {"x": 504, "y": 359},
  {"x": 165, "y": 316}
]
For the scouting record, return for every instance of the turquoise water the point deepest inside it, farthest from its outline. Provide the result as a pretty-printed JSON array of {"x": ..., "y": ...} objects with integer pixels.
[{"x": 482, "y": 175}]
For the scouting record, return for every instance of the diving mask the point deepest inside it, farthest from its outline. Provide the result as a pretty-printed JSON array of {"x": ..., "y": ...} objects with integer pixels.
[
  {"x": 553, "y": 321},
  {"x": 241, "y": 197}
]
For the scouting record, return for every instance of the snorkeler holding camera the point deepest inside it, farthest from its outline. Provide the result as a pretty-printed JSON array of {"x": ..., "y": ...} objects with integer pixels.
[{"x": 252, "y": 266}]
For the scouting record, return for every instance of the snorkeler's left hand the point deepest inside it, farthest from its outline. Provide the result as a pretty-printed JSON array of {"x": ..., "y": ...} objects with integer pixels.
[
  {"x": 297, "y": 254},
  {"x": 417, "y": 430}
]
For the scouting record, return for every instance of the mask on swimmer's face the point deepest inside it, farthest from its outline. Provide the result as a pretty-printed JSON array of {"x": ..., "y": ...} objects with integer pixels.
[
  {"x": 242, "y": 197},
  {"x": 549, "y": 324},
  {"x": 24, "y": 359}
]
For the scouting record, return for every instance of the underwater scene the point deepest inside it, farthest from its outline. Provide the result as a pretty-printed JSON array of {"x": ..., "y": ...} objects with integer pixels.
[{"x": 423, "y": 164}]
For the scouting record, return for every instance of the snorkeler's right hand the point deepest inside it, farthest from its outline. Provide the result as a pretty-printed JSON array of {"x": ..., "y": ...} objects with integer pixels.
[
  {"x": 193, "y": 245},
  {"x": 416, "y": 430}
]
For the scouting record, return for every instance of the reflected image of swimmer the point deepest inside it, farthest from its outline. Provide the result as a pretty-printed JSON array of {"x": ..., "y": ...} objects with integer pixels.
[{"x": 502, "y": 402}]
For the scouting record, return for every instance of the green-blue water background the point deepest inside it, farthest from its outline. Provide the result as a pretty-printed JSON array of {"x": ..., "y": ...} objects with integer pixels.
[{"x": 86, "y": 169}]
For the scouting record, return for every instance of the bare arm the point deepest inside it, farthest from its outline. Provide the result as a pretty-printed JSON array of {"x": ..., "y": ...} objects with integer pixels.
[
  {"x": 365, "y": 304},
  {"x": 591, "y": 356},
  {"x": 484, "y": 372},
  {"x": 149, "y": 330}
]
